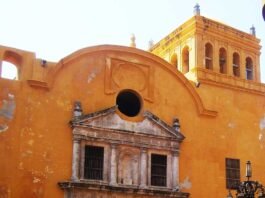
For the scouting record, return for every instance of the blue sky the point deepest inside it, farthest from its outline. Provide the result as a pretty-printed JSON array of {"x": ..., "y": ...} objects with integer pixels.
[{"x": 55, "y": 28}]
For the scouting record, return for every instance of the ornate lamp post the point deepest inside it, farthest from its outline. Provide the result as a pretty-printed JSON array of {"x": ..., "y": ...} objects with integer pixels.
[{"x": 248, "y": 189}]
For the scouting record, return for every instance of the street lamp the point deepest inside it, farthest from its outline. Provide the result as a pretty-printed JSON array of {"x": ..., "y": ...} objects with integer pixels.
[
  {"x": 248, "y": 189},
  {"x": 248, "y": 170}
]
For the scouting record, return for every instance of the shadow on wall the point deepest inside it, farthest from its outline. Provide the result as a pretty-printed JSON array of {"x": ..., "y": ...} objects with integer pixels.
[{"x": 6, "y": 112}]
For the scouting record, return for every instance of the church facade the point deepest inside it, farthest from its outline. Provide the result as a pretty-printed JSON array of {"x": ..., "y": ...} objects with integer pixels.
[{"x": 180, "y": 120}]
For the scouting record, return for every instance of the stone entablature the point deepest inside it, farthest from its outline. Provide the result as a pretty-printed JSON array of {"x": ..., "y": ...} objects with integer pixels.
[
  {"x": 128, "y": 147},
  {"x": 99, "y": 190}
]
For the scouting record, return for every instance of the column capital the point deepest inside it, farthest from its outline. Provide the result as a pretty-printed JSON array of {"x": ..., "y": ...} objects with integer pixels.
[
  {"x": 143, "y": 149},
  {"x": 113, "y": 145},
  {"x": 76, "y": 140},
  {"x": 175, "y": 153}
]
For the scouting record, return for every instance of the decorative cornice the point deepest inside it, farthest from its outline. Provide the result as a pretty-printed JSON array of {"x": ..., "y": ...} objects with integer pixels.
[
  {"x": 39, "y": 84},
  {"x": 230, "y": 82},
  {"x": 103, "y": 186},
  {"x": 81, "y": 121}
]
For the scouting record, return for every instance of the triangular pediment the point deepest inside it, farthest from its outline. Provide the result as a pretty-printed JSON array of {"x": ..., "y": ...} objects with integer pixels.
[{"x": 109, "y": 119}]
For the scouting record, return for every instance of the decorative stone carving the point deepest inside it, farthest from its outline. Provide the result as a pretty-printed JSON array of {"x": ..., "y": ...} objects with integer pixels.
[
  {"x": 176, "y": 125},
  {"x": 127, "y": 146},
  {"x": 77, "y": 109},
  {"x": 119, "y": 71}
]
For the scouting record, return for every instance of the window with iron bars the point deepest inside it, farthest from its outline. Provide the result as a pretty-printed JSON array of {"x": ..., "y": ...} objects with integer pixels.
[
  {"x": 158, "y": 170},
  {"x": 232, "y": 173},
  {"x": 94, "y": 159}
]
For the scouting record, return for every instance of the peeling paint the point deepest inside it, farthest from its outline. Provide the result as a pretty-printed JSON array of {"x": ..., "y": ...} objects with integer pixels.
[
  {"x": 3, "y": 127},
  {"x": 262, "y": 123},
  {"x": 48, "y": 170},
  {"x": 27, "y": 153},
  {"x": 186, "y": 184},
  {"x": 8, "y": 107},
  {"x": 36, "y": 180},
  {"x": 30, "y": 142},
  {"x": 231, "y": 125},
  {"x": 91, "y": 77},
  {"x": 261, "y": 136},
  {"x": 20, "y": 166},
  {"x": 7, "y": 112}
]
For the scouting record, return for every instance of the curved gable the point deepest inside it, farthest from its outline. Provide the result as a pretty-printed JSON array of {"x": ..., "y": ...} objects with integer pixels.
[{"x": 137, "y": 63}]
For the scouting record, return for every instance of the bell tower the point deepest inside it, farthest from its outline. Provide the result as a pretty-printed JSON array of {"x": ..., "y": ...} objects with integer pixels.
[{"x": 207, "y": 50}]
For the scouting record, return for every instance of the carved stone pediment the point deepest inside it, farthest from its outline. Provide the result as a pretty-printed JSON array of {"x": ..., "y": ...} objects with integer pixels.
[
  {"x": 128, "y": 148},
  {"x": 108, "y": 119}
]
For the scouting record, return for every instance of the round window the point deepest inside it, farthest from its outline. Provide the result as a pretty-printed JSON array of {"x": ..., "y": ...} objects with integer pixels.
[{"x": 129, "y": 103}]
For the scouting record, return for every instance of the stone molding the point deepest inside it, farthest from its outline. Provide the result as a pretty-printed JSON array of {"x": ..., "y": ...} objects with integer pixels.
[{"x": 74, "y": 189}]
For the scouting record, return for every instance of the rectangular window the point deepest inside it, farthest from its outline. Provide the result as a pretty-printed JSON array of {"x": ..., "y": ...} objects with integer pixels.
[
  {"x": 158, "y": 170},
  {"x": 232, "y": 173},
  {"x": 94, "y": 159}
]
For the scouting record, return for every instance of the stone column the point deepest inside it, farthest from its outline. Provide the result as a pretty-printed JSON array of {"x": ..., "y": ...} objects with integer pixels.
[
  {"x": 229, "y": 58},
  {"x": 76, "y": 159},
  {"x": 143, "y": 168},
  {"x": 216, "y": 62},
  {"x": 242, "y": 65},
  {"x": 256, "y": 68},
  {"x": 175, "y": 169},
  {"x": 113, "y": 164}
]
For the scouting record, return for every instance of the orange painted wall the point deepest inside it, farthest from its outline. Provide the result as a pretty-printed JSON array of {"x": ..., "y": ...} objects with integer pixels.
[{"x": 36, "y": 150}]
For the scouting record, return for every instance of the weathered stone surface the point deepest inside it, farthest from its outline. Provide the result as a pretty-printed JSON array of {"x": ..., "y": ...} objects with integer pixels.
[
  {"x": 107, "y": 118},
  {"x": 98, "y": 190}
]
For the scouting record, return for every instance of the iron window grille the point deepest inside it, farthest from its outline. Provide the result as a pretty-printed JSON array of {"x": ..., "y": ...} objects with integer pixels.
[
  {"x": 94, "y": 159},
  {"x": 158, "y": 170},
  {"x": 232, "y": 173}
]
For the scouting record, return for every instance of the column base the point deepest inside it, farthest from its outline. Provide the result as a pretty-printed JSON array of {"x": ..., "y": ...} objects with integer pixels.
[
  {"x": 113, "y": 184},
  {"x": 143, "y": 186},
  {"x": 75, "y": 179}
]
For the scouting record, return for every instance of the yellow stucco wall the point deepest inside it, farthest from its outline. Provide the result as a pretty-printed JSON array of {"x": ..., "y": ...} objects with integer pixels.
[{"x": 36, "y": 149}]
